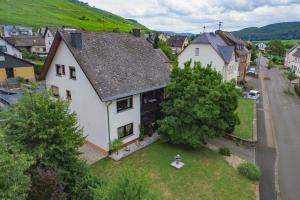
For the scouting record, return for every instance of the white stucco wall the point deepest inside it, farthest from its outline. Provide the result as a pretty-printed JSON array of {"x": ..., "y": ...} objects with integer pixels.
[
  {"x": 10, "y": 49},
  {"x": 125, "y": 117},
  {"x": 207, "y": 55},
  {"x": 91, "y": 111}
]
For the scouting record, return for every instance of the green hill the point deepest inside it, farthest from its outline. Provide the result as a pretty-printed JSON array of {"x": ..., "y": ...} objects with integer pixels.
[
  {"x": 282, "y": 31},
  {"x": 71, "y": 13}
]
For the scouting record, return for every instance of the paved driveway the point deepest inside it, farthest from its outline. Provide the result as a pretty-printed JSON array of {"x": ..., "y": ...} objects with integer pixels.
[{"x": 285, "y": 112}]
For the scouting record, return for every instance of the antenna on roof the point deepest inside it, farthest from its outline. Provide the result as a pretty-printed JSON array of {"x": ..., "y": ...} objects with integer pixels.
[
  {"x": 220, "y": 25},
  {"x": 204, "y": 27}
]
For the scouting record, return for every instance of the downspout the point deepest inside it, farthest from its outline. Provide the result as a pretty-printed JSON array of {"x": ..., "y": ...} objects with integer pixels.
[{"x": 108, "y": 125}]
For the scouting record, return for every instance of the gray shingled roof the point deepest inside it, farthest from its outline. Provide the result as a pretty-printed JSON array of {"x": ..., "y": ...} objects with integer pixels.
[
  {"x": 224, "y": 50},
  {"x": 119, "y": 64},
  {"x": 26, "y": 41},
  {"x": 12, "y": 62}
]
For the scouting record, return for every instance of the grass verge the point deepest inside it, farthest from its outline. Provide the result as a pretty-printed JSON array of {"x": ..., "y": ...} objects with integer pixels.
[{"x": 245, "y": 112}]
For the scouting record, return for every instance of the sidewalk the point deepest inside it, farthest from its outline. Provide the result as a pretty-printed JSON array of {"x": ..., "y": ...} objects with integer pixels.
[{"x": 238, "y": 150}]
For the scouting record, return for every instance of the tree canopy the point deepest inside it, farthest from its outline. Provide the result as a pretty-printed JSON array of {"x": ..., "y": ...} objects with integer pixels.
[
  {"x": 14, "y": 180},
  {"x": 276, "y": 48},
  {"x": 46, "y": 129},
  {"x": 199, "y": 106}
]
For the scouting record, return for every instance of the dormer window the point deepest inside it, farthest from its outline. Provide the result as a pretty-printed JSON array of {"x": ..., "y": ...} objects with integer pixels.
[
  {"x": 72, "y": 73},
  {"x": 60, "y": 70}
]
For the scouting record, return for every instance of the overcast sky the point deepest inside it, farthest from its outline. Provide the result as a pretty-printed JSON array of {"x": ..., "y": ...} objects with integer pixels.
[{"x": 192, "y": 15}]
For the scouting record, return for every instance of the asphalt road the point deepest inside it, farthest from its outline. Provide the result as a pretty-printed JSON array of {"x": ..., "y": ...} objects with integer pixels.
[
  {"x": 285, "y": 116},
  {"x": 266, "y": 148}
]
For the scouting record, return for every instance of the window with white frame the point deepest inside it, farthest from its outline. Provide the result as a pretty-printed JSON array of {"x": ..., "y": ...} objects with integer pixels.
[
  {"x": 55, "y": 91},
  {"x": 125, "y": 131},
  {"x": 60, "y": 70},
  {"x": 72, "y": 73},
  {"x": 124, "y": 104}
]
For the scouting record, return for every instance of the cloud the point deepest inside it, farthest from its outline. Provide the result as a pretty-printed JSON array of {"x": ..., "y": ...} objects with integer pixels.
[{"x": 192, "y": 15}]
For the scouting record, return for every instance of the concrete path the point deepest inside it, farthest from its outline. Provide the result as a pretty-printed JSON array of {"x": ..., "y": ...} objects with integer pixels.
[
  {"x": 238, "y": 150},
  {"x": 90, "y": 154}
]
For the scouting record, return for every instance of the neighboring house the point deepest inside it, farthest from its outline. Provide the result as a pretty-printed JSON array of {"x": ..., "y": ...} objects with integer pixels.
[
  {"x": 7, "y": 47},
  {"x": 241, "y": 51},
  {"x": 163, "y": 37},
  {"x": 261, "y": 46},
  {"x": 13, "y": 30},
  {"x": 177, "y": 43},
  {"x": 48, "y": 34},
  {"x": 292, "y": 59},
  {"x": 12, "y": 67},
  {"x": 114, "y": 81},
  {"x": 34, "y": 44},
  {"x": 210, "y": 48}
]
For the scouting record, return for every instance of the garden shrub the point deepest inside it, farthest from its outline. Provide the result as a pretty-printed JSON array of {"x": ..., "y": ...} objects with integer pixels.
[
  {"x": 127, "y": 185},
  {"x": 297, "y": 89},
  {"x": 250, "y": 170},
  {"x": 224, "y": 151}
]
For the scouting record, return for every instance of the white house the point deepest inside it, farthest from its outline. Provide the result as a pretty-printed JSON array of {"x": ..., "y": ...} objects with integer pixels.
[
  {"x": 34, "y": 44},
  {"x": 261, "y": 46},
  {"x": 114, "y": 81},
  {"x": 292, "y": 59},
  {"x": 7, "y": 47},
  {"x": 209, "y": 48},
  {"x": 49, "y": 34}
]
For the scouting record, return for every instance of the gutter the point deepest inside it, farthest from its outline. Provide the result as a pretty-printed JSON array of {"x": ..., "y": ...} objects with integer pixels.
[{"x": 108, "y": 125}]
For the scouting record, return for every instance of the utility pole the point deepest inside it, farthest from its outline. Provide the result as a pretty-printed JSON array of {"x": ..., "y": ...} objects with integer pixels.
[
  {"x": 204, "y": 27},
  {"x": 220, "y": 25}
]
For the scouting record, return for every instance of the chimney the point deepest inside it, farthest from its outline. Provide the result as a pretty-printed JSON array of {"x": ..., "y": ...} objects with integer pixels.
[
  {"x": 136, "y": 32},
  {"x": 76, "y": 40}
]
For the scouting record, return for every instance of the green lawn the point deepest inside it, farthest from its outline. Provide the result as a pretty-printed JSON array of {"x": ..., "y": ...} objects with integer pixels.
[
  {"x": 245, "y": 112},
  {"x": 206, "y": 175},
  {"x": 61, "y": 13}
]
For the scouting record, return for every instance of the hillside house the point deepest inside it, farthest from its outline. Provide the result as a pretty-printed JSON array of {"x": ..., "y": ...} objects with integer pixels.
[
  {"x": 292, "y": 59},
  {"x": 34, "y": 44},
  {"x": 177, "y": 43},
  {"x": 210, "y": 48},
  {"x": 13, "y": 30},
  {"x": 7, "y": 47},
  {"x": 12, "y": 67},
  {"x": 261, "y": 46},
  {"x": 114, "y": 82},
  {"x": 163, "y": 37},
  {"x": 242, "y": 53}
]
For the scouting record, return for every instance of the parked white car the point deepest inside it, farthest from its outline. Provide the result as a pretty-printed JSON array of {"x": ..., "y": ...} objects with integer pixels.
[{"x": 253, "y": 94}]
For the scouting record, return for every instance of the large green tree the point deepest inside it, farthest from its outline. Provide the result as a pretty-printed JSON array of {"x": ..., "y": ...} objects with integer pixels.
[
  {"x": 45, "y": 127},
  {"x": 199, "y": 106},
  {"x": 14, "y": 180},
  {"x": 276, "y": 48}
]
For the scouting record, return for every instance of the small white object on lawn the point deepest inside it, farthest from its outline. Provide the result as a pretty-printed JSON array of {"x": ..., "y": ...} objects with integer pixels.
[{"x": 177, "y": 163}]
